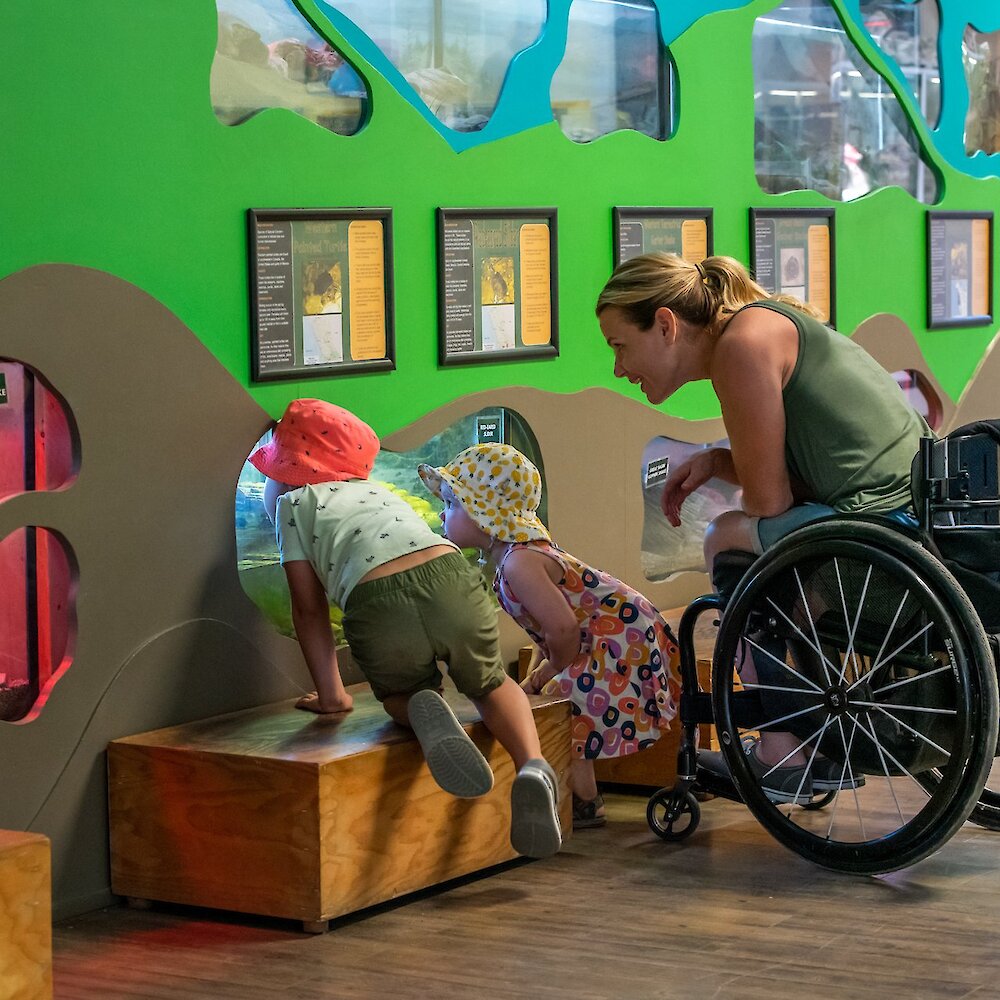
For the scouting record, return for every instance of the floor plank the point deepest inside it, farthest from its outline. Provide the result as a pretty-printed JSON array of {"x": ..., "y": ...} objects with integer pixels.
[{"x": 618, "y": 914}]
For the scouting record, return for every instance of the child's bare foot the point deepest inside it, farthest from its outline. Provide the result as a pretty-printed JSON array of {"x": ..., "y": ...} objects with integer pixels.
[{"x": 311, "y": 703}]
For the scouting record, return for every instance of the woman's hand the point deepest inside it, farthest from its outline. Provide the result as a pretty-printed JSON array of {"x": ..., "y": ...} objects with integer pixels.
[{"x": 686, "y": 478}]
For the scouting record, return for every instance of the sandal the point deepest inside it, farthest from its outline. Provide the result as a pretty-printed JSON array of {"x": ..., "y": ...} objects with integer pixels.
[{"x": 588, "y": 814}]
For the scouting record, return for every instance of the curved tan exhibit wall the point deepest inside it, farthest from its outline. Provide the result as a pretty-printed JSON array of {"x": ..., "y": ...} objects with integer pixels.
[
  {"x": 165, "y": 633},
  {"x": 591, "y": 444}
]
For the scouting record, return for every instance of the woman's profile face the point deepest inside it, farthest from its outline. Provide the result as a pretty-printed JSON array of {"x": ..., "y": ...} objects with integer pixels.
[{"x": 647, "y": 358}]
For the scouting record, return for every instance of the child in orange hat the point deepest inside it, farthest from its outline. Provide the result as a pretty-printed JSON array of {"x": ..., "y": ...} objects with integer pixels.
[
  {"x": 605, "y": 647},
  {"x": 409, "y": 599}
]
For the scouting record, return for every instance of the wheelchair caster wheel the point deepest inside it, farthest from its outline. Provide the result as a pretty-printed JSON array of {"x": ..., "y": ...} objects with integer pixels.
[
  {"x": 673, "y": 815},
  {"x": 821, "y": 802}
]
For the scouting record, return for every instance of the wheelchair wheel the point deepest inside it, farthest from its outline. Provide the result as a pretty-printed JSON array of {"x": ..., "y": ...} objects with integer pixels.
[
  {"x": 857, "y": 660},
  {"x": 986, "y": 811},
  {"x": 673, "y": 815}
]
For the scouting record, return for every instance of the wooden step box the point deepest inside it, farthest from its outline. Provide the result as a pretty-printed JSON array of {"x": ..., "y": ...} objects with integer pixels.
[
  {"x": 280, "y": 812},
  {"x": 25, "y": 916}
]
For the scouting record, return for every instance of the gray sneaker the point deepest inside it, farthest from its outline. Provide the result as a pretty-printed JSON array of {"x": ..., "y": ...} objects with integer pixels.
[
  {"x": 534, "y": 811},
  {"x": 779, "y": 784},
  {"x": 454, "y": 760}
]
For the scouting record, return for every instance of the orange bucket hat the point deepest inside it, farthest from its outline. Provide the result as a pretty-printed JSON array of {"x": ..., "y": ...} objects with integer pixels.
[{"x": 317, "y": 442}]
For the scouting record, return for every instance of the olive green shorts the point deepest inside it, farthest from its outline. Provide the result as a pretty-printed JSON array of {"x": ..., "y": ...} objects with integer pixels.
[{"x": 399, "y": 626}]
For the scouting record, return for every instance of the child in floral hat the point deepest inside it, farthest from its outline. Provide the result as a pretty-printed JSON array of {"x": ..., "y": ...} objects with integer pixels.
[
  {"x": 604, "y": 645},
  {"x": 409, "y": 599}
]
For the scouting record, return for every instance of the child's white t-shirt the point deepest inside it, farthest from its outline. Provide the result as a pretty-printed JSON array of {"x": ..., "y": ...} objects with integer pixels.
[{"x": 347, "y": 529}]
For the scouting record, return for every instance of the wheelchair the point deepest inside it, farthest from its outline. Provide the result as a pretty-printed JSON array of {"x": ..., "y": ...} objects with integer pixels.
[{"x": 853, "y": 643}]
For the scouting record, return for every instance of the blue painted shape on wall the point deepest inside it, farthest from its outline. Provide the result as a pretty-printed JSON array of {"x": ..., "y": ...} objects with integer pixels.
[
  {"x": 524, "y": 98},
  {"x": 524, "y": 102}
]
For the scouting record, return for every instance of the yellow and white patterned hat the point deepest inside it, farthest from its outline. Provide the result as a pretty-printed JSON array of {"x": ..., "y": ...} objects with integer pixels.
[{"x": 498, "y": 487}]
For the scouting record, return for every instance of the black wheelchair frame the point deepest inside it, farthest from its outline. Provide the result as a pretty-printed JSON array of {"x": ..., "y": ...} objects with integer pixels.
[{"x": 838, "y": 681}]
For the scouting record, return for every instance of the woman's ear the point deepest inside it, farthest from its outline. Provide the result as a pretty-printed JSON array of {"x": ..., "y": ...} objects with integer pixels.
[{"x": 665, "y": 323}]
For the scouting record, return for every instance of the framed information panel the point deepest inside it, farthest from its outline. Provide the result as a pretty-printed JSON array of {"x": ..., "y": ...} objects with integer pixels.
[
  {"x": 497, "y": 284},
  {"x": 792, "y": 252},
  {"x": 686, "y": 232},
  {"x": 959, "y": 269},
  {"x": 321, "y": 299}
]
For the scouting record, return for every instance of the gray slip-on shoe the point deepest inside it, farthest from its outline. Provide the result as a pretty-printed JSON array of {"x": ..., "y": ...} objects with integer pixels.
[
  {"x": 534, "y": 811},
  {"x": 454, "y": 760}
]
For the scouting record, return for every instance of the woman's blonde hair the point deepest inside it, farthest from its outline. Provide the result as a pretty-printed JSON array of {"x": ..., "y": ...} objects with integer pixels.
[{"x": 702, "y": 294}]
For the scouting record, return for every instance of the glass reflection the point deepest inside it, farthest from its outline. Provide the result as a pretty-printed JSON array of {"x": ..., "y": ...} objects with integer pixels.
[
  {"x": 981, "y": 56},
  {"x": 260, "y": 573},
  {"x": 616, "y": 73},
  {"x": 454, "y": 53},
  {"x": 667, "y": 550},
  {"x": 269, "y": 56},
  {"x": 908, "y": 33},
  {"x": 824, "y": 119}
]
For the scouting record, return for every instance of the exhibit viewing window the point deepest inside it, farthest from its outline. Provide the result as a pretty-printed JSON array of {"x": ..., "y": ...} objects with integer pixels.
[
  {"x": 667, "y": 550},
  {"x": 260, "y": 573},
  {"x": 454, "y": 53},
  {"x": 37, "y": 453},
  {"x": 919, "y": 394},
  {"x": 907, "y": 31},
  {"x": 981, "y": 56},
  {"x": 616, "y": 73},
  {"x": 269, "y": 56},
  {"x": 825, "y": 120}
]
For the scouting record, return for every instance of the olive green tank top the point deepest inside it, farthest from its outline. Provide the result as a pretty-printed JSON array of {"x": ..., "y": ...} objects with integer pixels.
[{"x": 850, "y": 434}]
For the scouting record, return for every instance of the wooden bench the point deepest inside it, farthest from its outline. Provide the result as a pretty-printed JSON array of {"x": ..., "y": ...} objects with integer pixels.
[
  {"x": 283, "y": 813},
  {"x": 25, "y": 916}
]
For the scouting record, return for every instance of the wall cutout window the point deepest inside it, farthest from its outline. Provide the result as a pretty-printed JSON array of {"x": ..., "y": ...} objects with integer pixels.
[
  {"x": 667, "y": 550},
  {"x": 908, "y": 33},
  {"x": 824, "y": 119},
  {"x": 981, "y": 55},
  {"x": 454, "y": 53},
  {"x": 37, "y": 452},
  {"x": 921, "y": 396},
  {"x": 260, "y": 573},
  {"x": 269, "y": 56},
  {"x": 616, "y": 73}
]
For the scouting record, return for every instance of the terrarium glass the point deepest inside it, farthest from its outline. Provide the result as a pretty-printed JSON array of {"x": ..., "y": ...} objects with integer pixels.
[
  {"x": 667, "y": 550},
  {"x": 261, "y": 574},
  {"x": 825, "y": 120}
]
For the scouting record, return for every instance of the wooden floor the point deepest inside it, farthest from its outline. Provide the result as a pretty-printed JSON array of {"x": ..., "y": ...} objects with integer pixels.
[{"x": 617, "y": 915}]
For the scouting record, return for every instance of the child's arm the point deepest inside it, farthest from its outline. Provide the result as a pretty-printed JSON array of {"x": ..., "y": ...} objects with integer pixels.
[
  {"x": 311, "y": 618},
  {"x": 533, "y": 577}
]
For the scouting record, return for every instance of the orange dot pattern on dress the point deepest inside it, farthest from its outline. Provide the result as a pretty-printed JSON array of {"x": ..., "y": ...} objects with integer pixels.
[
  {"x": 317, "y": 442},
  {"x": 497, "y": 486}
]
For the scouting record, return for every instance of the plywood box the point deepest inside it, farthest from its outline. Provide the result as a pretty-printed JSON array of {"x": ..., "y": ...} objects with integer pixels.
[
  {"x": 25, "y": 916},
  {"x": 283, "y": 813}
]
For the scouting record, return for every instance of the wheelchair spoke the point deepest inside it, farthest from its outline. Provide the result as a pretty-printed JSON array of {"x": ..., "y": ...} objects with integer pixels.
[
  {"x": 847, "y": 759},
  {"x": 785, "y": 666},
  {"x": 885, "y": 768},
  {"x": 850, "y": 654},
  {"x": 785, "y": 718},
  {"x": 771, "y": 687},
  {"x": 907, "y": 708},
  {"x": 874, "y": 738},
  {"x": 885, "y": 640},
  {"x": 916, "y": 732},
  {"x": 899, "y": 649},
  {"x": 816, "y": 647},
  {"x": 912, "y": 680}
]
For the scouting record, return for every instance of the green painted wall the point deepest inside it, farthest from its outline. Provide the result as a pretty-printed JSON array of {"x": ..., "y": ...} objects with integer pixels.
[{"x": 113, "y": 158}]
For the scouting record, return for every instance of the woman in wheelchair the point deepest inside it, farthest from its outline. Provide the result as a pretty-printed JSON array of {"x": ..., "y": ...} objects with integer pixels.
[{"x": 809, "y": 691}]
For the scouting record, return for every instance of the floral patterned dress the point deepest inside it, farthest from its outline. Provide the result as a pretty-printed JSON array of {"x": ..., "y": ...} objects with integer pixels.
[{"x": 625, "y": 683}]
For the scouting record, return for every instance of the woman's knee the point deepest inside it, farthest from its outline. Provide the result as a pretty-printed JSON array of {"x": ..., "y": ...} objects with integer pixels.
[{"x": 730, "y": 530}]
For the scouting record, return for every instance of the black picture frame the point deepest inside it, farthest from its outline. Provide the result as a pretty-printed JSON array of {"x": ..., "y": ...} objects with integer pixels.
[
  {"x": 942, "y": 286},
  {"x": 455, "y": 314},
  {"x": 290, "y": 334},
  {"x": 764, "y": 262},
  {"x": 625, "y": 214}
]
